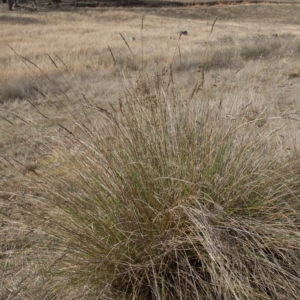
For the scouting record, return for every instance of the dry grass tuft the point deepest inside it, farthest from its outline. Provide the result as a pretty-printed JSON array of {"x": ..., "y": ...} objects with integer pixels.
[
  {"x": 162, "y": 197},
  {"x": 261, "y": 49}
]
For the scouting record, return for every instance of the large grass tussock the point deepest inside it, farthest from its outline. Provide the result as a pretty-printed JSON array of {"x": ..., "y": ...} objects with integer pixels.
[{"x": 163, "y": 196}]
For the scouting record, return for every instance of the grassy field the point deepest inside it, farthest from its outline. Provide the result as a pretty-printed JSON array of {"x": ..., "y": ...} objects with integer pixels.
[{"x": 137, "y": 162}]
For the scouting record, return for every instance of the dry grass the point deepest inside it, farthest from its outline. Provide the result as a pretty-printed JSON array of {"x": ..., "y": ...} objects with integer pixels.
[
  {"x": 169, "y": 173},
  {"x": 61, "y": 33}
]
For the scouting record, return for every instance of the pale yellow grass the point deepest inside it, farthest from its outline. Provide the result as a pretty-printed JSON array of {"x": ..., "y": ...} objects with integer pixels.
[{"x": 80, "y": 39}]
